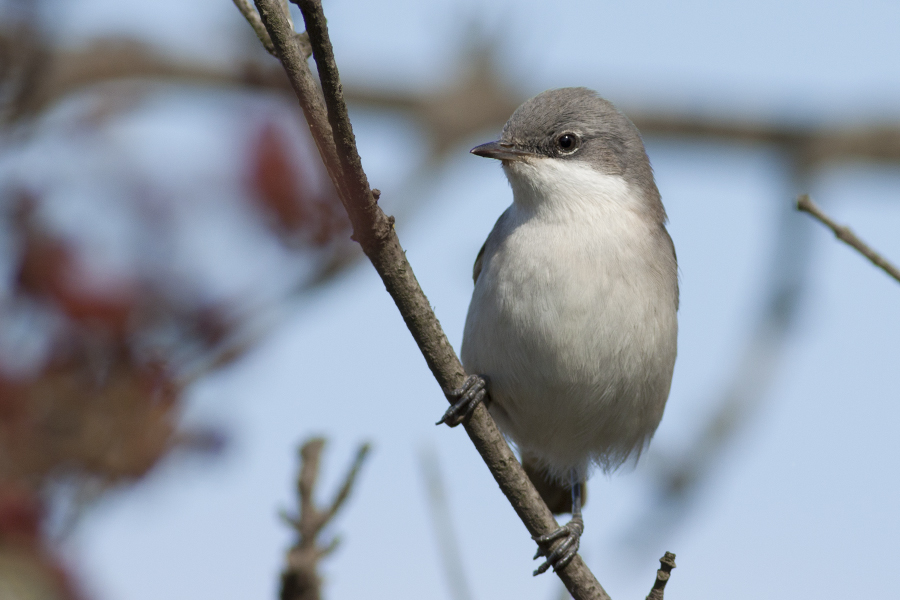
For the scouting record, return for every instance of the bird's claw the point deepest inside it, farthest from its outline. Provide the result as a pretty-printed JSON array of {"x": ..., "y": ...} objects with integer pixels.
[
  {"x": 465, "y": 399},
  {"x": 563, "y": 554}
]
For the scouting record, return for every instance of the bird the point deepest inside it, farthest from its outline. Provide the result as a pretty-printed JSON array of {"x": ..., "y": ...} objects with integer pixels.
[{"x": 571, "y": 334}]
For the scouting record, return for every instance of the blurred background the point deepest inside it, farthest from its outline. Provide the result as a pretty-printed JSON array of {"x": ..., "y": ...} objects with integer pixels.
[{"x": 180, "y": 303}]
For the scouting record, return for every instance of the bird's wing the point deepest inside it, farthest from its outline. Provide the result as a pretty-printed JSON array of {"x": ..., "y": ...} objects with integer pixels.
[
  {"x": 497, "y": 232},
  {"x": 671, "y": 244},
  {"x": 476, "y": 270}
]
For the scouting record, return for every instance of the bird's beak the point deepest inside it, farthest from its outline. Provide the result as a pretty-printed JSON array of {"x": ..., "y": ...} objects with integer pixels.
[{"x": 500, "y": 151}]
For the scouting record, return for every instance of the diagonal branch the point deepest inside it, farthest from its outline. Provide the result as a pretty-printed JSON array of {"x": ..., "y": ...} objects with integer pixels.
[
  {"x": 375, "y": 233},
  {"x": 256, "y": 23},
  {"x": 805, "y": 204},
  {"x": 451, "y": 557},
  {"x": 289, "y": 52},
  {"x": 349, "y": 480}
]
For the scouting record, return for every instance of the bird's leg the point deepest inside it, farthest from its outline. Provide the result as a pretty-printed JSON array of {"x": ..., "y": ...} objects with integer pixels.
[
  {"x": 570, "y": 533},
  {"x": 464, "y": 400}
]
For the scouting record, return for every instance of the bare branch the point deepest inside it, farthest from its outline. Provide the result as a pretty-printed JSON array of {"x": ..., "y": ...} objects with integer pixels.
[
  {"x": 300, "y": 578},
  {"x": 286, "y": 7},
  {"x": 666, "y": 564},
  {"x": 66, "y": 71},
  {"x": 349, "y": 480},
  {"x": 480, "y": 99},
  {"x": 290, "y": 52},
  {"x": 375, "y": 232},
  {"x": 805, "y": 204},
  {"x": 310, "y": 454},
  {"x": 256, "y": 23},
  {"x": 451, "y": 557}
]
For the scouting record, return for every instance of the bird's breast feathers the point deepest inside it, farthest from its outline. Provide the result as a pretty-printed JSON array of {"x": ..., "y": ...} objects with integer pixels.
[{"x": 567, "y": 310}]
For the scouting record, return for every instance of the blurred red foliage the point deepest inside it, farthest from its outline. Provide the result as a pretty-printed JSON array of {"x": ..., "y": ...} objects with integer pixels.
[
  {"x": 99, "y": 407},
  {"x": 296, "y": 211},
  {"x": 50, "y": 268},
  {"x": 26, "y": 565}
]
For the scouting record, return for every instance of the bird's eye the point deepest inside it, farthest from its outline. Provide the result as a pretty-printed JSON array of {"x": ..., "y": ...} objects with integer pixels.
[{"x": 567, "y": 142}]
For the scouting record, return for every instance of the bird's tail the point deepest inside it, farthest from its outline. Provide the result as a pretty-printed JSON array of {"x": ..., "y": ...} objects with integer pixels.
[{"x": 558, "y": 496}]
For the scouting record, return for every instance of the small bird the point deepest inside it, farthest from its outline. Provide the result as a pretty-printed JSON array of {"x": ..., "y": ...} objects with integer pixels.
[{"x": 572, "y": 331}]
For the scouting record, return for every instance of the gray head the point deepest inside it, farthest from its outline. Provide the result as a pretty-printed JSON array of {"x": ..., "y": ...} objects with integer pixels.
[{"x": 576, "y": 124}]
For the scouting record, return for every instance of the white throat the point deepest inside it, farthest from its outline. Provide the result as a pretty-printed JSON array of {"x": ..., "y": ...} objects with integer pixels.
[{"x": 566, "y": 188}]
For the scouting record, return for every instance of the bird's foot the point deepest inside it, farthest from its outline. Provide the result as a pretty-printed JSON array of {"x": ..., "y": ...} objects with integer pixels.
[
  {"x": 464, "y": 400},
  {"x": 564, "y": 552}
]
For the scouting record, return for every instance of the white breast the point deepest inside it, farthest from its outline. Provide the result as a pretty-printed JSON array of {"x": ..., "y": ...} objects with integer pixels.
[{"x": 573, "y": 317}]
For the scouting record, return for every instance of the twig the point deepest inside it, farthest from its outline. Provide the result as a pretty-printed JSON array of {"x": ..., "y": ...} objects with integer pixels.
[
  {"x": 349, "y": 479},
  {"x": 256, "y": 23},
  {"x": 375, "y": 232},
  {"x": 289, "y": 51},
  {"x": 451, "y": 557},
  {"x": 666, "y": 564},
  {"x": 300, "y": 578},
  {"x": 805, "y": 204},
  {"x": 286, "y": 7}
]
